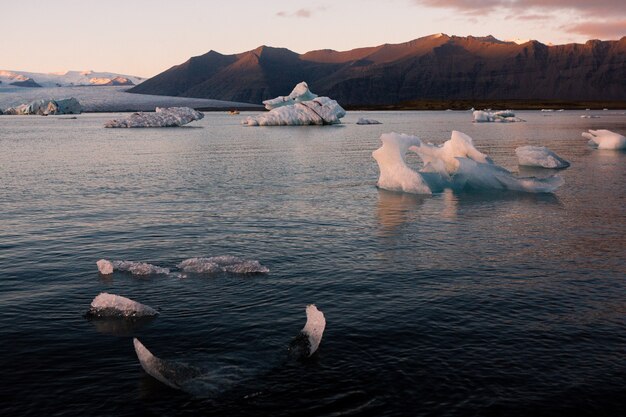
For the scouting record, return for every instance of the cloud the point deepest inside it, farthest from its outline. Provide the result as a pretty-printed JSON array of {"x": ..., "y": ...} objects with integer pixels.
[
  {"x": 529, "y": 17},
  {"x": 584, "y": 7},
  {"x": 302, "y": 13},
  {"x": 613, "y": 29}
]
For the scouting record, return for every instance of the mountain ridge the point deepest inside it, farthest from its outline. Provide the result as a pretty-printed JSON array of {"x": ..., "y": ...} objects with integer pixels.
[{"x": 434, "y": 67}]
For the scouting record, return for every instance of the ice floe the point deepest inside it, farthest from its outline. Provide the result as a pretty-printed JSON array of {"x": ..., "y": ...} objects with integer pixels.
[
  {"x": 162, "y": 117},
  {"x": 539, "y": 156},
  {"x": 456, "y": 164},
  {"x": 299, "y": 108},
  {"x": 225, "y": 263},
  {"x": 589, "y": 116},
  {"x": 605, "y": 139},
  {"x": 364, "y": 121},
  {"x": 45, "y": 107},
  {"x": 503, "y": 116},
  {"x": 310, "y": 337},
  {"x": 113, "y": 306},
  {"x": 106, "y": 267}
]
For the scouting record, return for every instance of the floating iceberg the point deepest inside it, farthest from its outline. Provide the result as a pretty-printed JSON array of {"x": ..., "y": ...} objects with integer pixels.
[
  {"x": 456, "y": 164},
  {"x": 364, "y": 121},
  {"x": 47, "y": 107},
  {"x": 162, "y": 117},
  {"x": 504, "y": 116},
  {"x": 299, "y": 108},
  {"x": 226, "y": 263},
  {"x": 539, "y": 156},
  {"x": 589, "y": 116},
  {"x": 107, "y": 305},
  {"x": 106, "y": 267},
  {"x": 605, "y": 139},
  {"x": 307, "y": 342}
]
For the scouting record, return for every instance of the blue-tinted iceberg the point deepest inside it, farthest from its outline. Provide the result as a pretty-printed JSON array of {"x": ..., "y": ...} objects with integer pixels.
[
  {"x": 456, "y": 164},
  {"x": 539, "y": 156},
  {"x": 107, "y": 305},
  {"x": 162, "y": 117},
  {"x": 299, "y": 108},
  {"x": 503, "y": 116},
  {"x": 605, "y": 139}
]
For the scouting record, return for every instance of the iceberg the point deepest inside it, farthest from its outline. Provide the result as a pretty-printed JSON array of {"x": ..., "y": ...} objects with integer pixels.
[
  {"x": 503, "y": 116},
  {"x": 605, "y": 139},
  {"x": 589, "y": 116},
  {"x": 300, "y": 108},
  {"x": 226, "y": 263},
  {"x": 47, "y": 107},
  {"x": 364, "y": 121},
  {"x": 310, "y": 337},
  {"x": 456, "y": 164},
  {"x": 107, "y": 305},
  {"x": 539, "y": 156},
  {"x": 162, "y": 117},
  {"x": 106, "y": 267}
]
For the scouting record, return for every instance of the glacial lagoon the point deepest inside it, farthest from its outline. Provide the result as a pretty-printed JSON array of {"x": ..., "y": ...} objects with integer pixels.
[{"x": 459, "y": 303}]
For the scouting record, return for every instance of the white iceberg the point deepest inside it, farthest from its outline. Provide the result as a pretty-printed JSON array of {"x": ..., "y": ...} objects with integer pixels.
[
  {"x": 226, "y": 263},
  {"x": 589, "y": 116},
  {"x": 300, "y": 108},
  {"x": 162, "y": 117},
  {"x": 605, "y": 139},
  {"x": 364, "y": 121},
  {"x": 310, "y": 337},
  {"x": 456, "y": 164},
  {"x": 539, "y": 156},
  {"x": 47, "y": 107},
  {"x": 503, "y": 116},
  {"x": 106, "y": 267},
  {"x": 111, "y": 305}
]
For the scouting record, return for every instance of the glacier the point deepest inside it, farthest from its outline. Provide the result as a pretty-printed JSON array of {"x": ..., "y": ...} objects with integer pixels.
[
  {"x": 456, "y": 164},
  {"x": 225, "y": 263},
  {"x": 299, "y": 108},
  {"x": 107, "y": 305},
  {"x": 503, "y": 116},
  {"x": 162, "y": 117},
  {"x": 45, "y": 107},
  {"x": 106, "y": 267},
  {"x": 605, "y": 139},
  {"x": 539, "y": 156}
]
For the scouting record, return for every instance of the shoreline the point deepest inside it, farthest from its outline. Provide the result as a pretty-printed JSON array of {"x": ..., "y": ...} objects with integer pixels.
[{"x": 494, "y": 104}]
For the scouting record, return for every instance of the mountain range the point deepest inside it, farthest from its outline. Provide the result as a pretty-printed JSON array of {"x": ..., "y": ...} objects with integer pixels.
[
  {"x": 436, "y": 67},
  {"x": 65, "y": 79}
]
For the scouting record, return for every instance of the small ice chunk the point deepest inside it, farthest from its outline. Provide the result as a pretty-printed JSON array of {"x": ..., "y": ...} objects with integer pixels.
[
  {"x": 111, "y": 305},
  {"x": 589, "y": 116},
  {"x": 539, "y": 156},
  {"x": 226, "y": 263},
  {"x": 503, "y": 116},
  {"x": 605, "y": 139},
  {"x": 105, "y": 267},
  {"x": 364, "y": 121},
  {"x": 136, "y": 268},
  {"x": 173, "y": 374},
  {"x": 162, "y": 117},
  {"x": 308, "y": 341}
]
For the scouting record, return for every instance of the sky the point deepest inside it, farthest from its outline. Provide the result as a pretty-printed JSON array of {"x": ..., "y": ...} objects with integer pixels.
[{"x": 146, "y": 37}]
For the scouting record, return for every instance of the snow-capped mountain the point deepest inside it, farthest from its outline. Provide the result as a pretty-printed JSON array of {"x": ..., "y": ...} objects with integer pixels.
[{"x": 65, "y": 79}]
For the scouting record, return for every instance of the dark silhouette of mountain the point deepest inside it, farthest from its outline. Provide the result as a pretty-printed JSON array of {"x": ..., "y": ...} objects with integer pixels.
[
  {"x": 26, "y": 83},
  {"x": 436, "y": 67}
]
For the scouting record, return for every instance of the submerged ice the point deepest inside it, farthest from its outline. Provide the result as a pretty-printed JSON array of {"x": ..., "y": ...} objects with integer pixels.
[
  {"x": 605, "y": 139},
  {"x": 539, "y": 156},
  {"x": 225, "y": 263},
  {"x": 456, "y": 164},
  {"x": 299, "y": 108},
  {"x": 111, "y": 305},
  {"x": 162, "y": 117},
  {"x": 106, "y": 267}
]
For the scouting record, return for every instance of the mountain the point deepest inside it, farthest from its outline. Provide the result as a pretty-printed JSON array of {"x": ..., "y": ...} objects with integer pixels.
[
  {"x": 65, "y": 79},
  {"x": 436, "y": 67}
]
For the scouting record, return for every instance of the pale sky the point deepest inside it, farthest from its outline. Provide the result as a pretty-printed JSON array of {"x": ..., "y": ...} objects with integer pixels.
[{"x": 145, "y": 37}]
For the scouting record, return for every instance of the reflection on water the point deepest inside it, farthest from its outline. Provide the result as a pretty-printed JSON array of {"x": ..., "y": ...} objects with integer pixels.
[{"x": 395, "y": 209}]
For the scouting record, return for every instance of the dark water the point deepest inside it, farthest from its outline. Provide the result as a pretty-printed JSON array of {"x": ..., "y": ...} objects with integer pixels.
[{"x": 455, "y": 304}]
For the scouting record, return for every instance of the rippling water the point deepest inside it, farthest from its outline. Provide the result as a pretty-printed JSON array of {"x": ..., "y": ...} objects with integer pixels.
[{"x": 455, "y": 304}]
